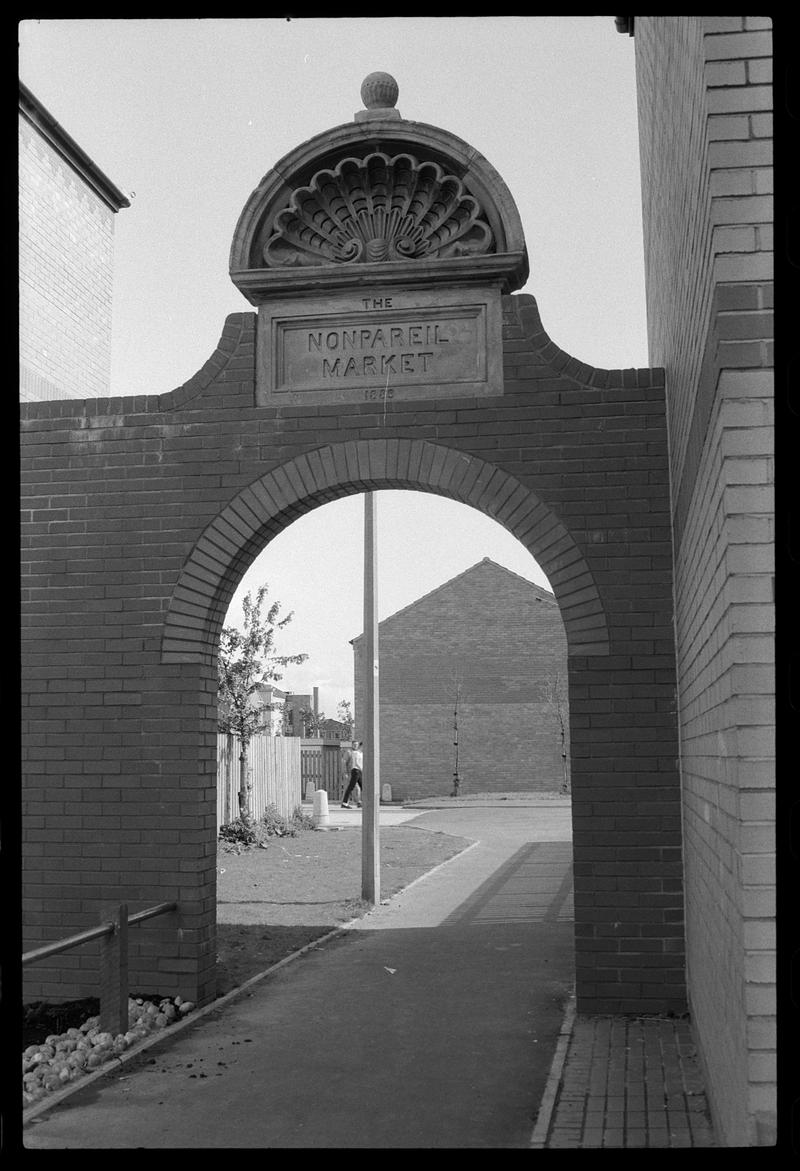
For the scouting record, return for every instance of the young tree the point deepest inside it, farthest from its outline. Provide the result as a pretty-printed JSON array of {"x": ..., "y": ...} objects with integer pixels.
[
  {"x": 344, "y": 714},
  {"x": 286, "y": 718},
  {"x": 310, "y": 721},
  {"x": 246, "y": 658}
]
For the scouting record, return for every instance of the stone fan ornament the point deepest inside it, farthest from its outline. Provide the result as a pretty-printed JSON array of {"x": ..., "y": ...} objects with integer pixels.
[{"x": 378, "y": 209}]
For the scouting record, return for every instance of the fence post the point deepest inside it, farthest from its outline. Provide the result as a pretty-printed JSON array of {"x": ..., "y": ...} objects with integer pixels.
[
  {"x": 229, "y": 798},
  {"x": 114, "y": 972}
]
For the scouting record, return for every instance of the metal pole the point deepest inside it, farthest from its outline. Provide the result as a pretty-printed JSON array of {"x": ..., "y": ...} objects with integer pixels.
[{"x": 370, "y": 796}]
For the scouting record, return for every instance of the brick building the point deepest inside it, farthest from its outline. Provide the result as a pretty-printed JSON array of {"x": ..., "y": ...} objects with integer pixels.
[
  {"x": 491, "y": 646},
  {"x": 298, "y": 710},
  {"x": 705, "y": 102},
  {"x": 66, "y": 221}
]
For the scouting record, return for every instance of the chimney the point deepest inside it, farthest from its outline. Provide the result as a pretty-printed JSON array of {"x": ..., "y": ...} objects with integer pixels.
[{"x": 316, "y": 701}]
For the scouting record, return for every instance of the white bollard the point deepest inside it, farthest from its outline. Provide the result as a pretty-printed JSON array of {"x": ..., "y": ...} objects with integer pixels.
[{"x": 320, "y": 816}]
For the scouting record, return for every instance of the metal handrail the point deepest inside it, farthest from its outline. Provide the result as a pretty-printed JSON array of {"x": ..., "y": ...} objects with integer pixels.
[
  {"x": 52, "y": 949},
  {"x": 113, "y": 960},
  {"x": 151, "y": 912}
]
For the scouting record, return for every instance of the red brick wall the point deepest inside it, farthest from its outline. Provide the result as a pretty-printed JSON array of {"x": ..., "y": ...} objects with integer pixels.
[
  {"x": 66, "y": 254},
  {"x": 503, "y": 640},
  {"x": 140, "y": 516},
  {"x": 705, "y": 102}
]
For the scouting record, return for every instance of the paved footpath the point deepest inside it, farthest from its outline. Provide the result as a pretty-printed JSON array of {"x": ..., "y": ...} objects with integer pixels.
[
  {"x": 627, "y": 1083},
  {"x": 437, "y": 1021}
]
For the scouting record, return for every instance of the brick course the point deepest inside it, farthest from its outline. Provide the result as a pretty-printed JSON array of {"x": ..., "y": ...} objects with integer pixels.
[{"x": 142, "y": 514}]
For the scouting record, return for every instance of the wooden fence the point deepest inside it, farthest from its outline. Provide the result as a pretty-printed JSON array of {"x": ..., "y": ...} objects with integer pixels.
[
  {"x": 274, "y": 774},
  {"x": 322, "y": 767}
]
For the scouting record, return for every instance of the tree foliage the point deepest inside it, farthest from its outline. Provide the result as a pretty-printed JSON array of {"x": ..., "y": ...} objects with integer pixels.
[
  {"x": 311, "y": 721},
  {"x": 245, "y": 660},
  {"x": 344, "y": 714}
]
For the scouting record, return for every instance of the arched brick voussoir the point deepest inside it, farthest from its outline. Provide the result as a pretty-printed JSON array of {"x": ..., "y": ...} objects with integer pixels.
[{"x": 261, "y": 510}]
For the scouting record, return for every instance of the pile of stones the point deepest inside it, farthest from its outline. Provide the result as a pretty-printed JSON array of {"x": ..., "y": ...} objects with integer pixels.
[{"x": 64, "y": 1058}]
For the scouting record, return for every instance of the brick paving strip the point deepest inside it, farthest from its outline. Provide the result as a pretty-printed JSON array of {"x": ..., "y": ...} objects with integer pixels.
[{"x": 624, "y": 1082}]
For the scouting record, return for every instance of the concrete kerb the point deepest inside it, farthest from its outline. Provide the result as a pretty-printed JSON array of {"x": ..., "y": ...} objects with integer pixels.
[
  {"x": 172, "y": 1031},
  {"x": 553, "y": 1084}
]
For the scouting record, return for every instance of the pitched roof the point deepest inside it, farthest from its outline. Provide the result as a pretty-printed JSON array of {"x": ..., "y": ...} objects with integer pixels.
[{"x": 539, "y": 593}]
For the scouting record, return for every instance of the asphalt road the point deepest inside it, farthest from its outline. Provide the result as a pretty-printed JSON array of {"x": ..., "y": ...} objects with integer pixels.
[{"x": 431, "y": 1023}]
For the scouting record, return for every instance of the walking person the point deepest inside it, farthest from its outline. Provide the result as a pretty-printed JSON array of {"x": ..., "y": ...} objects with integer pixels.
[{"x": 354, "y": 760}]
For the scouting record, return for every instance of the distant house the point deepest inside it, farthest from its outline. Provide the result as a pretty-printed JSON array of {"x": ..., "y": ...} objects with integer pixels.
[
  {"x": 291, "y": 713},
  {"x": 269, "y": 701},
  {"x": 302, "y": 716},
  {"x": 332, "y": 730},
  {"x": 486, "y": 651}
]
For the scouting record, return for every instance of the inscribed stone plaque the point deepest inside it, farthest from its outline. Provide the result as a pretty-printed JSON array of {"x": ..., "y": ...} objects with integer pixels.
[{"x": 405, "y": 344}]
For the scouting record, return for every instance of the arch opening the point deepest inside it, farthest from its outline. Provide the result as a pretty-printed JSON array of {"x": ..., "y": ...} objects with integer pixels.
[{"x": 539, "y": 850}]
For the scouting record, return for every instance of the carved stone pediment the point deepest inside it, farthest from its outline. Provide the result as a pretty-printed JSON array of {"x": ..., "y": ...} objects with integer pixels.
[
  {"x": 381, "y": 202},
  {"x": 378, "y": 208}
]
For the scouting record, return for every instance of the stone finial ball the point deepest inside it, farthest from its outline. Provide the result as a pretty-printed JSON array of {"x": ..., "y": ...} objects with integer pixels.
[{"x": 379, "y": 90}]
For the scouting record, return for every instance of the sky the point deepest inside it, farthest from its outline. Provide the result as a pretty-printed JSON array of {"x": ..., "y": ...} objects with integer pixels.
[{"x": 187, "y": 115}]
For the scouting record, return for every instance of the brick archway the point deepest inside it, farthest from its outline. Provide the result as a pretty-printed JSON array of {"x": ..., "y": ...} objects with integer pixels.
[
  {"x": 142, "y": 515},
  {"x": 228, "y": 545}
]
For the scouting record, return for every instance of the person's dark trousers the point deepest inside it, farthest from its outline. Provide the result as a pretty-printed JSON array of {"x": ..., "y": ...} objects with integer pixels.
[{"x": 355, "y": 779}]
